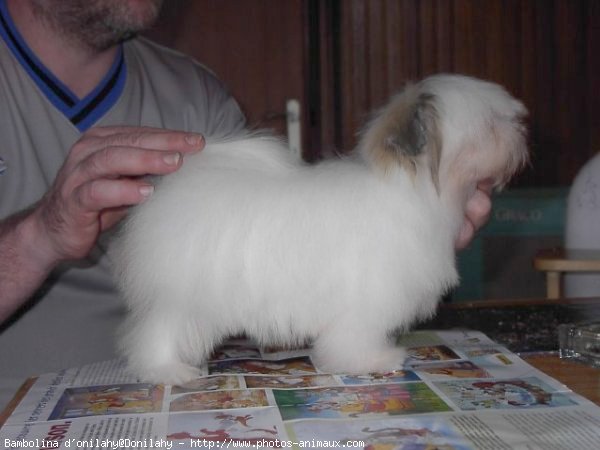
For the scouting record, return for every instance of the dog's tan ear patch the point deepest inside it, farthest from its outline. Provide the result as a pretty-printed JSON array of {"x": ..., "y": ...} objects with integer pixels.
[
  {"x": 406, "y": 133},
  {"x": 410, "y": 134}
]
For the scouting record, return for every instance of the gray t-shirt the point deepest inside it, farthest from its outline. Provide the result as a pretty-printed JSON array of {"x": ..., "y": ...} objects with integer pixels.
[{"x": 75, "y": 319}]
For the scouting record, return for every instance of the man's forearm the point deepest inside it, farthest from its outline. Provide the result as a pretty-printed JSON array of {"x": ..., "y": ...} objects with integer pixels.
[{"x": 24, "y": 265}]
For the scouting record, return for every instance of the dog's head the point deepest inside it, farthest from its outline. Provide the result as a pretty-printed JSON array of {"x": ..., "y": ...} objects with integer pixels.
[{"x": 456, "y": 129}]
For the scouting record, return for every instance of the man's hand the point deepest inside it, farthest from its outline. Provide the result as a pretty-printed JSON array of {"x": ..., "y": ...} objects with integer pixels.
[
  {"x": 477, "y": 213},
  {"x": 101, "y": 176}
]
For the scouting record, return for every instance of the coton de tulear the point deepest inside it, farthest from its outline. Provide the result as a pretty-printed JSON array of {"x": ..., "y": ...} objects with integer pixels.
[{"x": 245, "y": 238}]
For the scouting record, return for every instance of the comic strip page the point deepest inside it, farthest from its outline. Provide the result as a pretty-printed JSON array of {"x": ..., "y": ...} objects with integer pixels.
[{"x": 457, "y": 390}]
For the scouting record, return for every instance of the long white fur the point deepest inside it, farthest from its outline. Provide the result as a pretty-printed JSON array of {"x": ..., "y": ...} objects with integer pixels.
[{"x": 245, "y": 238}]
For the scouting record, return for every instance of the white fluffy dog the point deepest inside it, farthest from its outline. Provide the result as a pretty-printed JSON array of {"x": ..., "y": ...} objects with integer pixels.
[{"x": 246, "y": 238}]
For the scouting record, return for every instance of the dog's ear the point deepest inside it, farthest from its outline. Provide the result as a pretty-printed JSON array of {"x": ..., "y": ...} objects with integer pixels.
[
  {"x": 406, "y": 133},
  {"x": 410, "y": 136}
]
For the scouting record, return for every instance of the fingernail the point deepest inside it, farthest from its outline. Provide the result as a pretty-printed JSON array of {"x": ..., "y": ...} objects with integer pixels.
[
  {"x": 146, "y": 190},
  {"x": 172, "y": 159},
  {"x": 194, "y": 139}
]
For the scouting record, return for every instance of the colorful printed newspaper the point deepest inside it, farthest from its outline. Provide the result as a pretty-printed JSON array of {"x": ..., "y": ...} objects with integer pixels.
[{"x": 458, "y": 390}]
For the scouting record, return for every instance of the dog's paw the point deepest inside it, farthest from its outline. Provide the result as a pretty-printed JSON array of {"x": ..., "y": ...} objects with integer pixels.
[
  {"x": 380, "y": 360},
  {"x": 386, "y": 360},
  {"x": 174, "y": 373}
]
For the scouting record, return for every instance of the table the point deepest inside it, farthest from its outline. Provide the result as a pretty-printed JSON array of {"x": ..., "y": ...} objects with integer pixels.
[
  {"x": 16, "y": 399},
  {"x": 582, "y": 379},
  {"x": 523, "y": 326}
]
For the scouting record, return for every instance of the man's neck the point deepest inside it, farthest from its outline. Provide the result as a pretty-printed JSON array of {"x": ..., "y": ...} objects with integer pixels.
[{"x": 80, "y": 69}]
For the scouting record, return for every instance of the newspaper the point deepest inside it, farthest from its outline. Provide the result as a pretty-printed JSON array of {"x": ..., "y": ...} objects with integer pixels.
[{"x": 458, "y": 390}]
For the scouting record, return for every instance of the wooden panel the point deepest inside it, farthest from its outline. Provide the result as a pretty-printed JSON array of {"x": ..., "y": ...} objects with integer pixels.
[
  {"x": 544, "y": 51},
  {"x": 256, "y": 47}
]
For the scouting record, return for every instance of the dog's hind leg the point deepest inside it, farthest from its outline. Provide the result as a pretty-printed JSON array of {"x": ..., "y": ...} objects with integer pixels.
[{"x": 344, "y": 348}]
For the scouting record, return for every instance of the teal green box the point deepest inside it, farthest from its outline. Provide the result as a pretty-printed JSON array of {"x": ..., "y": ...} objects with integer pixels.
[{"x": 498, "y": 263}]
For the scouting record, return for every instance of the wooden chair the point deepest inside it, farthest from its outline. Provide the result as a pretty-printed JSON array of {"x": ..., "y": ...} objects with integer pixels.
[{"x": 557, "y": 261}]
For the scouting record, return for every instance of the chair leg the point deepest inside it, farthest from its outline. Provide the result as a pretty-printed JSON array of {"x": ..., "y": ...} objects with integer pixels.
[{"x": 553, "y": 285}]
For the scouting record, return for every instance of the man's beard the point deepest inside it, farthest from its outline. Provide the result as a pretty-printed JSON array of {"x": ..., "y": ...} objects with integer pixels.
[{"x": 97, "y": 24}]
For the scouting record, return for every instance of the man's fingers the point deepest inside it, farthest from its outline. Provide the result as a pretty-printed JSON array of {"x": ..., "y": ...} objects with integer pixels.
[
  {"x": 101, "y": 194},
  {"x": 157, "y": 140},
  {"x": 143, "y": 138},
  {"x": 478, "y": 208},
  {"x": 115, "y": 162},
  {"x": 477, "y": 213}
]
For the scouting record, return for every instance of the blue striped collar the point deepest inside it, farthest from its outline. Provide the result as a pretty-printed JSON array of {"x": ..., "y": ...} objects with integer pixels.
[{"x": 82, "y": 113}]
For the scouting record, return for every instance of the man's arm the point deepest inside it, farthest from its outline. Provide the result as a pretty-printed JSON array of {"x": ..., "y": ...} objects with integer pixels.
[
  {"x": 100, "y": 178},
  {"x": 22, "y": 265}
]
